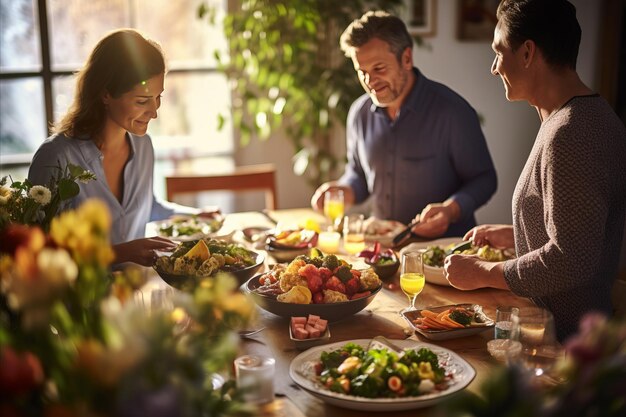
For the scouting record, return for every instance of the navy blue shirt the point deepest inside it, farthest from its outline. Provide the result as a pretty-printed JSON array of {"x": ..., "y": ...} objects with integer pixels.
[{"x": 434, "y": 150}]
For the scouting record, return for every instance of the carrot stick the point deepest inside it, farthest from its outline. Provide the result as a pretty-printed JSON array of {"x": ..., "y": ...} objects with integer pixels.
[
  {"x": 428, "y": 313},
  {"x": 435, "y": 324},
  {"x": 443, "y": 313},
  {"x": 452, "y": 323}
]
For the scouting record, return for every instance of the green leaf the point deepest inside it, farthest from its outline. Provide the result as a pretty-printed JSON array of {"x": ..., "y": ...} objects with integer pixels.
[
  {"x": 202, "y": 10},
  {"x": 68, "y": 189},
  {"x": 75, "y": 170},
  {"x": 221, "y": 121}
]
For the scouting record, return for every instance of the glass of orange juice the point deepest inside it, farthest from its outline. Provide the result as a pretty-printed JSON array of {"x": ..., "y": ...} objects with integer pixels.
[
  {"x": 353, "y": 236},
  {"x": 334, "y": 206},
  {"x": 412, "y": 276}
]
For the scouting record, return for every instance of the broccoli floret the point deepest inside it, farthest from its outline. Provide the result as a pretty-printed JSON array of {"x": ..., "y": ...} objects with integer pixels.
[
  {"x": 331, "y": 262},
  {"x": 304, "y": 258},
  {"x": 318, "y": 262},
  {"x": 366, "y": 385},
  {"x": 463, "y": 317},
  {"x": 343, "y": 273}
]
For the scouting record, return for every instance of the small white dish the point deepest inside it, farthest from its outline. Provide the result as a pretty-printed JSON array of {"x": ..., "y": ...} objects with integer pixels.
[{"x": 304, "y": 344}]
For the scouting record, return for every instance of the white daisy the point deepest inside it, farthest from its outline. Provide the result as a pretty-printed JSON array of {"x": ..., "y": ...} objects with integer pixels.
[{"x": 40, "y": 194}]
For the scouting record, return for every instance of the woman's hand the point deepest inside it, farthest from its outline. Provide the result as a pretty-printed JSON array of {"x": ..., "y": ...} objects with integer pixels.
[
  {"x": 142, "y": 251},
  {"x": 469, "y": 272},
  {"x": 498, "y": 236}
]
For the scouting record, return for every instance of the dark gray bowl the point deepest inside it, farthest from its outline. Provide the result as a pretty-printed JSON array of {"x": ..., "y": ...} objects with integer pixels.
[
  {"x": 330, "y": 312},
  {"x": 385, "y": 271},
  {"x": 189, "y": 282}
]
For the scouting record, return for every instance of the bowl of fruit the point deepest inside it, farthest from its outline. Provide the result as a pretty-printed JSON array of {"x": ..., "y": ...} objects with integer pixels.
[
  {"x": 383, "y": 261},
  {"x": 325, "y": 286}
]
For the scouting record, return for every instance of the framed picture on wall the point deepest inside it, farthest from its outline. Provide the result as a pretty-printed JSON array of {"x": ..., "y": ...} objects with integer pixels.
[
  {"x": 477, "y": 19},
  {"x": 420, "y": 17}
]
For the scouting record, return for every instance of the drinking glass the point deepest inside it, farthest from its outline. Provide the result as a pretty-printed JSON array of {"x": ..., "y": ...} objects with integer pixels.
[
  {"x": 353, "y": 234},
  {"x": 334, "y": 206},
  {"x": 412, "y": 276},
  {"x": 504, "y": 321},
  {"x": 539, "y": 348},
  {"x": 162, "y": 299},
  {"x": 255, "y": 378}
]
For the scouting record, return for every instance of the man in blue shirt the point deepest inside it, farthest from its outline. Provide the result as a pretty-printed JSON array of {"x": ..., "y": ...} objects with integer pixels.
[{"x": 414, "y": 145}]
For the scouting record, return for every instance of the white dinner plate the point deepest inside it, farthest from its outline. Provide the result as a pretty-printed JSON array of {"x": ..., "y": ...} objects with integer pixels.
[
  {"x": 201, "y": 227},
  {"x": 302, "y": 372},
  {"x": 433, "y": 274},
  {"x": 383, "y": 231}
]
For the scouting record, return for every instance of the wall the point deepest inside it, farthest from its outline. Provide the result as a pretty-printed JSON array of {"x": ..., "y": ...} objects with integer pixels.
[{"x": 509, "y": 128}]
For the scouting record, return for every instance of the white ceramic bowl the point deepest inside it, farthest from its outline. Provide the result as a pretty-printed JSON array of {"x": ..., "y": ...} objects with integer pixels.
[{"x": 433, "y": 275}]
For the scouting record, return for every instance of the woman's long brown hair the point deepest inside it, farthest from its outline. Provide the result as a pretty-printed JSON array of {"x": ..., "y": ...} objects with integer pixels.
[{"x": 120, "y": 60}]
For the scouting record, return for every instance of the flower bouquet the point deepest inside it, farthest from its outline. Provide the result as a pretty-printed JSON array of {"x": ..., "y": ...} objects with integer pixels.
[
  {"x": 25, "y": 203},
  {"x": 75, "y": 341},
  {"x": 590, "y": 380}
]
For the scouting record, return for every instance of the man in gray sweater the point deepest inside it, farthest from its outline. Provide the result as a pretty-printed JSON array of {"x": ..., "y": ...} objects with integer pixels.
[{"x": 570, "y": 200}]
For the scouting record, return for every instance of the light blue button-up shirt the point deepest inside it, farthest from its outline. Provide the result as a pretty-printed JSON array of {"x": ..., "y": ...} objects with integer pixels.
[
  {"x": 434, "y": 150},
  {"x": 138, "y": 206}
]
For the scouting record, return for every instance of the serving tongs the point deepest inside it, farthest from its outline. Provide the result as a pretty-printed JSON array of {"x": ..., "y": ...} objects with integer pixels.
[
  {"x": 381, "y": 342},
  {"x": 397, "y": 239}
]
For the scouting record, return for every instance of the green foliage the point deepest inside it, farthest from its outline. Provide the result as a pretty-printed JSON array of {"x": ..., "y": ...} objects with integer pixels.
[{"x": 288, "y": 74}]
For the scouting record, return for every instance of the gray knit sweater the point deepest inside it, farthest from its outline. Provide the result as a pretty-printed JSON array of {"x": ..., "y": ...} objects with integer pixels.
[{"x": 568, "y": 212}]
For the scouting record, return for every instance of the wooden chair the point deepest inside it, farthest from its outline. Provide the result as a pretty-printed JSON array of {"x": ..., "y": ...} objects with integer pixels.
[{"x": 244, "y": 178}]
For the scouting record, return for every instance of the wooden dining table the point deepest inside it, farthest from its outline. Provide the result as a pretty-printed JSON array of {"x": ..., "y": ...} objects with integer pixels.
[{"x": 380, "y": 318}]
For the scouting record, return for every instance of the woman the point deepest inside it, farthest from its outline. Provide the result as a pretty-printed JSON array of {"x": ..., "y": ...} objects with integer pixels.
[
  {"x": 568, "y": 205},
  {"x": 118, "y": 93}
]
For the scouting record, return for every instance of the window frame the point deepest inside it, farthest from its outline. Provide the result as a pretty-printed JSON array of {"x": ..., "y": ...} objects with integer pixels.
[{"x": 47, "y": 75}]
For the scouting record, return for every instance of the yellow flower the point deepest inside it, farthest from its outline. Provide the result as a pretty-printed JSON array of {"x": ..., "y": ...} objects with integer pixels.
[
  {"x": 5, "y": 193},
  {"x": 237, "y": 303},
  {"x": 106, "y": 365},
  {"x": 85, "y": 233},
  {"x": 95, "y": 213}
]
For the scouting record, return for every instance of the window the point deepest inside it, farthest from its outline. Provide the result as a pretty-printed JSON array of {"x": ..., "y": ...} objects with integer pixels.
[{"x": 37, "y": 83}]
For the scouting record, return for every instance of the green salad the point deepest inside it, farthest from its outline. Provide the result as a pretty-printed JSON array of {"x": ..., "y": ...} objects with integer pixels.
[
  {"x": 184, "y": 226},
  {"x": 435, "y": 255},
  {"x": 381, "y": 373}
]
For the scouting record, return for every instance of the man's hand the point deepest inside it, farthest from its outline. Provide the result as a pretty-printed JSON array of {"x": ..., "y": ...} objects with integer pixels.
[{"x": 436, "y": 218}]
